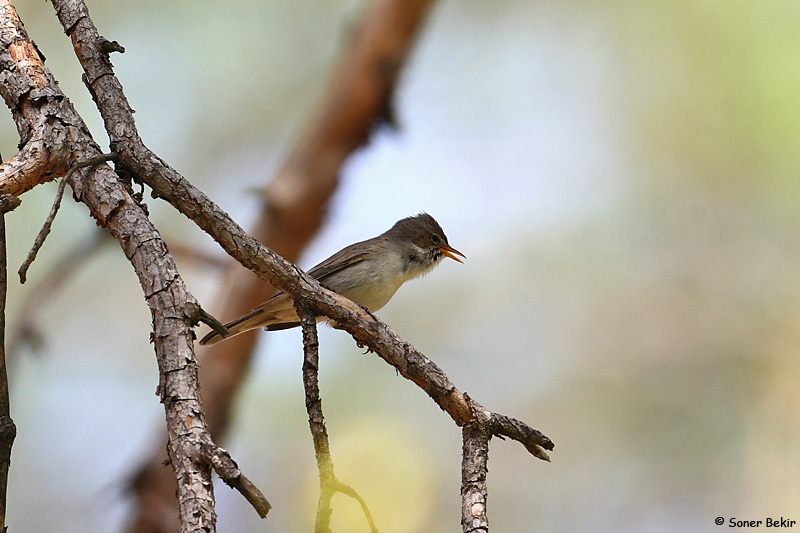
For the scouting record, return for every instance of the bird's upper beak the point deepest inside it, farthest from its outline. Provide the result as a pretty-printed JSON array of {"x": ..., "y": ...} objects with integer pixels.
[{"x": 451, "y": 252}]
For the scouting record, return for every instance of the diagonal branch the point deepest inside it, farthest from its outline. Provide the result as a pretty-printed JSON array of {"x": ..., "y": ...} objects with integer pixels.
[
  {"x": 478, "y": 423},
  {"x": 101, "y": 189},
  {"x": 167, "y": 183},
  {"x": 358, "y": 97}
]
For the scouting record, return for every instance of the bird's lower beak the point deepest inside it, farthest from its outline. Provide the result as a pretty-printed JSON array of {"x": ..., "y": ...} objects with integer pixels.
[{"x": 451, "y": 252}]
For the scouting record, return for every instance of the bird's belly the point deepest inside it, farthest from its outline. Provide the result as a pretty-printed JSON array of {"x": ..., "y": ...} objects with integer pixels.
[
  {"x": 373, "y": 296},
  {"x": 374, "y": 288}
]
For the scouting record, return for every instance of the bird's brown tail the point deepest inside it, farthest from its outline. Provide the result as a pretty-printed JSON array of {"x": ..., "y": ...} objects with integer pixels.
[
  {"x": 252, "y": 320},
  {"x": 276, "y": 313}
]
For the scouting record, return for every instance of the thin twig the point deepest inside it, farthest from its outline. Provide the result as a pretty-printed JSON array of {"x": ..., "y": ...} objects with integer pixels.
[
  {"x": 316, "y": 419},
  {"x": 43, "y": 233},
  {"x": 329, "y": 484},
  {"x": 48, "y": 223},
  {"x": 350, "y": 491},
  {"x": 8, "y": 431}
]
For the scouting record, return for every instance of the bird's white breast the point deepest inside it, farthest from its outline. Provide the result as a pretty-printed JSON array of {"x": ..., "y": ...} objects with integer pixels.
[{"x": 372, "y": 282}]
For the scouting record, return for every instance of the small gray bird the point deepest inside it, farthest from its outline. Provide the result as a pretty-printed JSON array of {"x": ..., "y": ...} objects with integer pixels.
[{"x": 367, "y": 272}]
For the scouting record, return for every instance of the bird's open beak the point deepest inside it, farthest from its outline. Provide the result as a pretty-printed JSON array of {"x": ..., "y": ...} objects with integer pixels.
[{"x": 451, "y": 252}]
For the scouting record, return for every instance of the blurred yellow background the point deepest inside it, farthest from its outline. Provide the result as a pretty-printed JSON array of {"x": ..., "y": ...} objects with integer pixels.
[{"x": 623, "y": 177}]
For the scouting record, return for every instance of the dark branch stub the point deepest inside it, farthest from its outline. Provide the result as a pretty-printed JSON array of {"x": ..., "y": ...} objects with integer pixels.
[
  {"x": 107, "y": 47},
  {"x": 197, "y": 314},
  {"x": 8, "y": 202},
  {"x": 534, "y": 441},
  {"x": 229, "y": 472},
  {"x": 503, "y": 426}
]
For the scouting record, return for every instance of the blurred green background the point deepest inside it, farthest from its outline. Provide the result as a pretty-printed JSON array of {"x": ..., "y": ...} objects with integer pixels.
[{"x": 623, "y": 179}]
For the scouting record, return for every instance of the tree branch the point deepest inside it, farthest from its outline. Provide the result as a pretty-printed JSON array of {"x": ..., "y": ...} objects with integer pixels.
[
  {"x": 365, "y": 328},
  {"x": 8, "y": 430},
  {"x": 316, "y": 419},
  {"x": 358, "y": 98},
  {"x": 474, "y": 458},
  {"x": 368, "y": 331},
  {"x": 111, "y": 205},
  {"x": 328, "y": 483},
  {"x": 32, "y": 95},
  {"x": 31, "y": 166}
]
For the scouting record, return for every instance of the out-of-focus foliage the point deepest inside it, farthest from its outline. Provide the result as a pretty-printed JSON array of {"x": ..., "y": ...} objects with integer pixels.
[{"x": 622, "y": 177}]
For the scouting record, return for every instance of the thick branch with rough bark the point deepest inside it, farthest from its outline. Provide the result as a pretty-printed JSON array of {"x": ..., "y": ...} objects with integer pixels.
[
  {"x": 62, "y": 141},
  {"x": 50, "y": 133}
]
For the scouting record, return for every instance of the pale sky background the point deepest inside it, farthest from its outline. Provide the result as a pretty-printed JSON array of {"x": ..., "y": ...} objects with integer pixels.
[{"x": 623, "y": 180}]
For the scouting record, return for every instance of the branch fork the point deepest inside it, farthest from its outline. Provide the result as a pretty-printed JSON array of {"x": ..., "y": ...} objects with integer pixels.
[{"x": 191, "y": 450}]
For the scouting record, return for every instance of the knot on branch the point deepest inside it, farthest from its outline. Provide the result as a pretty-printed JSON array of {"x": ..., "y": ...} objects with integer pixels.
[
  {"x": 197, "y": 314},
  {"x": 107, "y": 47},
  {"x": 306, "y": 307},
  {"x": 8, "y": 431},
  {"x": 8, "y": 202}
]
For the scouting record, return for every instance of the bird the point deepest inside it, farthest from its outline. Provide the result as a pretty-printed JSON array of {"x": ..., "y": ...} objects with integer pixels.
[{"x": 367, "y": 272}]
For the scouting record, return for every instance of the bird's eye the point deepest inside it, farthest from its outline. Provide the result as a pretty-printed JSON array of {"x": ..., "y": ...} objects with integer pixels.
[{"x": 435, "y": 239}]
